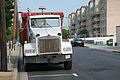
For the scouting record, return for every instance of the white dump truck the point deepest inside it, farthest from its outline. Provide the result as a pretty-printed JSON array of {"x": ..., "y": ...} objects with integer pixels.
[{"x": 42, "y": 39}]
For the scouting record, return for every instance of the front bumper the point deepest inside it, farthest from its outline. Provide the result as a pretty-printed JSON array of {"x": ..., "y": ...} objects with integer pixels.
[{"x": 52, "y": 59}]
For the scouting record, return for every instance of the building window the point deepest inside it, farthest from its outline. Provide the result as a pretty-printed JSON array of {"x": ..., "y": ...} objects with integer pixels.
[
  {"x": 98, "y": 35},
  {"x": 73, "y": 24}
]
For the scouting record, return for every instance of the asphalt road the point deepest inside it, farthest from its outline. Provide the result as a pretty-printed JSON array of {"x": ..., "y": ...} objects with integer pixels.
[{"x": 88, "y": 64}]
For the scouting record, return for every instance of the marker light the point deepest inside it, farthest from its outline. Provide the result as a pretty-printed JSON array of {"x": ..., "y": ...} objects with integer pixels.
[
  {"x": 25, "y": 42},
  {"x": 48, "y": 35}
]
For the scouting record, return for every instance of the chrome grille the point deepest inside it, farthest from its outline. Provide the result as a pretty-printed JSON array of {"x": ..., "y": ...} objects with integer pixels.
[{"x": 48, "y": 44}]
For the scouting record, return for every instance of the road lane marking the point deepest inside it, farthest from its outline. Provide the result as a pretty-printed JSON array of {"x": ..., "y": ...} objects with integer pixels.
[
  {"x": 74, "y": 74},
  {"x": 54, "y": 75}
]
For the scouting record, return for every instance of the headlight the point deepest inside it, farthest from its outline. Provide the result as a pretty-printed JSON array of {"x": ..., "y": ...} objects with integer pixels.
[
  {"x": 67, "y": 49},
  {"x": 30, "y": 51}
]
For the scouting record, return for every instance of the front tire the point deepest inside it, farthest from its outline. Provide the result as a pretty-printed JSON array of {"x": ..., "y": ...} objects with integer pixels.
[
  {"x": 68, "y": 65},
  {"x": 82, "y": 45},
  {"x": 26, "y": 67}
]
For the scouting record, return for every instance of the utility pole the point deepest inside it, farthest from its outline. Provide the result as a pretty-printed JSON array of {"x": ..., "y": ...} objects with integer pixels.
[
  {"x": 3, "y": 47},
  {"x": 15, "y": 19}
]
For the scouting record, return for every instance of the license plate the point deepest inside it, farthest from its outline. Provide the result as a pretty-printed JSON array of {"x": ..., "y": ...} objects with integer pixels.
[{"x": 79, "y": 41}]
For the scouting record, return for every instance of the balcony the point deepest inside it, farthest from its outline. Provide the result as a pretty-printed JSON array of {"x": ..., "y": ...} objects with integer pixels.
[
  {"x": 96, "y": 26},
  {"x": 83, "y": 19},
  {"x": 83, "y": 27},
  {"x": 97, "y": 14},
  {"x": 97, "y": 19},
  {"x": 72, "y": 28},
  {"x": 80, "y": 26},
  {"x": 96, "y": 32},
  {"x": 83, "y": 24},
  {"x": 73, "y": 24},
  {"x": 91, "y": 14}
]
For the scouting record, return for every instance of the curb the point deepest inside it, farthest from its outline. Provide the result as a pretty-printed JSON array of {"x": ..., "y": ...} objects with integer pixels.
[
  {"x": 111, "y": 50},
  {"x": 86, "y": 46}
]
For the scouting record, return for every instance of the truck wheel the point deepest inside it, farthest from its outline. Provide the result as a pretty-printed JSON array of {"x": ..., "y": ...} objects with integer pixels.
[
  {"x": 26, "y": 67},
  {"x": 68, "y": 65}
]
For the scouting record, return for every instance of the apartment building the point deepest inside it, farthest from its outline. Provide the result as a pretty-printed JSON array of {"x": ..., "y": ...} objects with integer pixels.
[
  {"x": 78, "y": 19},
  {"x": 96, "y": 19},
  {"x": 113, "y": 16},
  {"x": 99, "y": 18},
  {"x": 90, "y": 15},
  {"x": 72, "y": 23},
  {"x": 83, "y": 21}
]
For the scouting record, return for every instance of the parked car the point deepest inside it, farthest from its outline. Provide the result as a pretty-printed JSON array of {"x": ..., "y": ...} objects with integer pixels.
[{"x": 77, "y": 42}]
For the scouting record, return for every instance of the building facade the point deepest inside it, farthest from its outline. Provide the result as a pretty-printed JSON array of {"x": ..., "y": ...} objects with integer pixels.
[
  {"x": 98, "y": 19},
  {"x": 72, "y": 23}
]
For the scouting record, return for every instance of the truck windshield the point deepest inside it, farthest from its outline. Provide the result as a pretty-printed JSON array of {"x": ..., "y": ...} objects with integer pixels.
[{"x": 45, "y": 22}]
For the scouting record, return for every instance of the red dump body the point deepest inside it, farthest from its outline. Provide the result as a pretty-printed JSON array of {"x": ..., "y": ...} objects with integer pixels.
[{"x": 25, "y": 22}]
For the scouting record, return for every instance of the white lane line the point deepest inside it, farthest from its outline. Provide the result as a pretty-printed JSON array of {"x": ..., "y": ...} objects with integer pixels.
[
  {"x": 74, "y": 74},
  {"x": 54, "y": 75}
]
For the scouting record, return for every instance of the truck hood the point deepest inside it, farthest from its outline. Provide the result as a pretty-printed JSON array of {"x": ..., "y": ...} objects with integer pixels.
[{"x": 45, "y": 31}]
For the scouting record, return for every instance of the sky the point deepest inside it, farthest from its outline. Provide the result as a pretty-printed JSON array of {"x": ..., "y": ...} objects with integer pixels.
[{"x": 65, "y": 6}]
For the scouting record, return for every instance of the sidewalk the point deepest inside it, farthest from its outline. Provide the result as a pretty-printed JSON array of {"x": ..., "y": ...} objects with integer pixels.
[
  {"x": 12, "y": 64},
  {"x": 103, "y": 47}
]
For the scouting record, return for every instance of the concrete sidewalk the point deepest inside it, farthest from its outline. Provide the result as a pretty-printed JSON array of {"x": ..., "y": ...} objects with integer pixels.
[
  {"x": 103, "y": 47},
  {"x": 12, "y": 64}
]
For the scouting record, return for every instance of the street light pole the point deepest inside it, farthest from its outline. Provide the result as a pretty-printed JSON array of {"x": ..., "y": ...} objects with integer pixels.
[{"x": 3, "y": 47}]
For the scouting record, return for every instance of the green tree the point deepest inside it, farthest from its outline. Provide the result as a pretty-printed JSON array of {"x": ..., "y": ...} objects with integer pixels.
[
  {"x": 83, "y": 33},
  {"x": 65, "y": 33},
  {"x": 8, "y": 6},
  {"x": 9, "y": 33}
]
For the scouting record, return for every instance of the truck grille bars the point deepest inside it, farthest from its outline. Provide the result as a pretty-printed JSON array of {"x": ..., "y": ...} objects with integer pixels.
[{"x": 48, "y": 44}]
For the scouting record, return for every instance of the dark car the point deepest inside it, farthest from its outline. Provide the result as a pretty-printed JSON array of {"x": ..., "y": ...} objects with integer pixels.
[{"x": 77, "y": 42}]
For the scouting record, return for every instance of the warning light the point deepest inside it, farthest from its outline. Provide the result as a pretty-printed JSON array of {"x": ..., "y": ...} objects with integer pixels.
[{"x": 42, "y": 7}]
